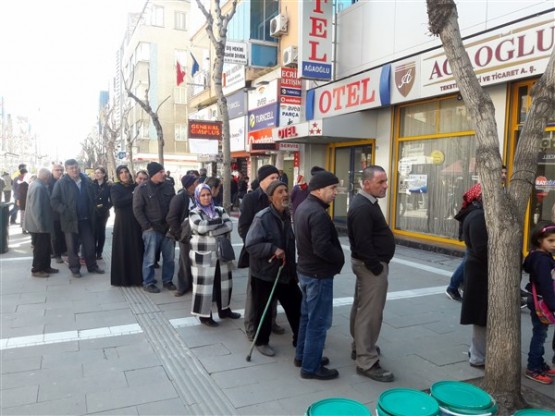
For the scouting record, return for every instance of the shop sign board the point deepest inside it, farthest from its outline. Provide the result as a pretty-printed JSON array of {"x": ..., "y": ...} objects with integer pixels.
[
  {"x": 233, "y": 78},
  {"x": 315, "y": 34},
  {"x": 516, "y": 51},
  {"x": 264, "y": 117},
  {"x": 237, "y": 133},
  {"x": 289, "y": 114},
  {"x": 235, "y": 53},
  {"x": 289, "y": 147},
  {"x": 290, "y": 87},
  {"x": 360, "y": 92},
  {"x": 263, "y": 95},
  {"x": 236, "y": 105},
  {"x": 309, "y": 128},
  {"x": 405, "y": 80},
  {"x": 199, "y": 129}
]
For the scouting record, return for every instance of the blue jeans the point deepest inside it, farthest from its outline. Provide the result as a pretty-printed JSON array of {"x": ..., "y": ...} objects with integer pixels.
[
  {"x": 316, "y": 315},
  {"x": 154, "y": 241},
  {"x": 539, "y": 335},
  {"x": 458, "y": 275}
]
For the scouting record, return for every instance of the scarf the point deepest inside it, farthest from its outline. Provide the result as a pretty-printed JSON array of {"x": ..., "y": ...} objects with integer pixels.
[{"x": 209, "y": 210}]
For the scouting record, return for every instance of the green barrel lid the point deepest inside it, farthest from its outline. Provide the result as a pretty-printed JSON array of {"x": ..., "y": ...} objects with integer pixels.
[
  {"x": 534, "y": 412},
  {"x": 337, "y": 406},
  {"x": 459, "y": 395},
  {"x": 407, "y": 402}
]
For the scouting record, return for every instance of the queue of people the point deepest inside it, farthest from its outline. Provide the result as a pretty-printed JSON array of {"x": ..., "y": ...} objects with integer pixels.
[{"x": 291, "y": 259}]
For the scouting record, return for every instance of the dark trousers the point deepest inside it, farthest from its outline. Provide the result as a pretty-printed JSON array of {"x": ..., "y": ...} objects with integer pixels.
[
  {"x": 57, "y": 240},
  {"x": 290, "y": 297},
  {"x": 184, "y": 276},
  {"x": 100, "y": 234},
  {"x": 41, "y": 252},
  {"x": 86, "y": 238},
  {"x": 7, "y": 196},
  {"x": 13, "y": 214}
]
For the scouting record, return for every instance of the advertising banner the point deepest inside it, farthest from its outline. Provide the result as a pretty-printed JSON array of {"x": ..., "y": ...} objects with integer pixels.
[
  {"x": 233, "y": 78},
  {"x": 237, "y": 130},
  {"x": 289, "y": 114},
  {"x": 237, "y": 104},
  {"x": 263, "y": 95},
  {"x": 199, "y": 129},
  {"x": 315, "y": 35},
  {"x": 264, "y": 117}
]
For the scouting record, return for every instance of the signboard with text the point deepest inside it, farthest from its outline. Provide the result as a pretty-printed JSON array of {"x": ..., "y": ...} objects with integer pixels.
[
  {"x": 263, "y": 95},
  {"x": 264, "y": 117},
  {"x": 235, "y": 53},
  {"x": 199, "y": 129},
  {"x": 290, "y": 87},
  {"x": 233, "y": 78},
  {"x": 237, "y": 104},
  {"x": 315, "y": 34}
]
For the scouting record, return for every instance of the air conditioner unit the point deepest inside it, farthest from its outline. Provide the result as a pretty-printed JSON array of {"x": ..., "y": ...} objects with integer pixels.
[
  {"x": 278, "y": 26},
  {"x": 290, "y": 56}
]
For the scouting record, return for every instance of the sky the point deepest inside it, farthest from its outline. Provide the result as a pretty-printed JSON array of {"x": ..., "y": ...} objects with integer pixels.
[{"x": 55, "y": 58}]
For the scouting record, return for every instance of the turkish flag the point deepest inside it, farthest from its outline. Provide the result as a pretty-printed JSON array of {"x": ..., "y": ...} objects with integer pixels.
[{"x": 180, "y": 74}]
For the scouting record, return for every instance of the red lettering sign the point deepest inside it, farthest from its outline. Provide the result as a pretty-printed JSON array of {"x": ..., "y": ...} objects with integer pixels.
[
  {"x": 289, "y": 131},
  {"x": 199, "y": 129}
]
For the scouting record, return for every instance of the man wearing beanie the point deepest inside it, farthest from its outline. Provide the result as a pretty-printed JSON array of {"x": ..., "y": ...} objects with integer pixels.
[
  {"x": 320, "y": 257},
  {"x": 179, "y": 210},
  {"x": 151, "y": 202},
  {"x": 372, "y": 247},
  {"x": 254, "y": 202},
  {"x": 271, "y": 243},
  {"x": 300, "y": 191}
]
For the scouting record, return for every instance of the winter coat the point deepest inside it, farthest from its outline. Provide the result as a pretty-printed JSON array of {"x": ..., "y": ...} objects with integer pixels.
[
  {"x": 475, "y": 300},
  {"x": 180, "y": 205},
  {"x": 320, "y": 252},
  {"x": 38, "y": 215},
  {"x": 151, "y": 204},
  {"x": 540, "y": 266},
  {"x": 103, "y": 200},
  {"x": 64, "y": 201},
  {"x": 253, "y": 202},
  {"x": 269, "y": 231}
]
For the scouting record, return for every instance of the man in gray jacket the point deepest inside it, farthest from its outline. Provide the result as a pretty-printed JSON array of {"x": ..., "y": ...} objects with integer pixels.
[{"x": 38, "y": 221}]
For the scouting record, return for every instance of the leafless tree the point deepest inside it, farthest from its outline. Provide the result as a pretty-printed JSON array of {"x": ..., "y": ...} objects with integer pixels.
[
  {"x": 216, "y": 28},
  {"x": 111, "y": 132},
  {"x": 131, "y": 134},
  {"x": 504, "y": 211},
  {"x": 145, "y": 105}
]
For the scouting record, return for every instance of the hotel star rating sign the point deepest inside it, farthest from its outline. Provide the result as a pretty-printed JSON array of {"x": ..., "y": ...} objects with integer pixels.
[{"x": 315, "y": 129}]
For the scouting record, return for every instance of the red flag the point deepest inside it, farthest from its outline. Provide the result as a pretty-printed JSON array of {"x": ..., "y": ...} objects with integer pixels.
[{"x": 180, "y": 74}]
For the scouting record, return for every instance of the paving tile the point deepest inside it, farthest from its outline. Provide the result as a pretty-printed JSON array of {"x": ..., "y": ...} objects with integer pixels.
[
  {"x": 123, "y": 363},
  {"x": 21, "y": 364},
  {"x": 150, "y": 375},
  {"x": 24, "y": 378},
  {"x": 65, "y": 359},
  {"x": 72, "y": 406},
  {"x": 18, "y": 396},
  {"x": 164, "y": 407},
  {"x": 125, "y": 340},
  {"x": 124, "y": 411}
]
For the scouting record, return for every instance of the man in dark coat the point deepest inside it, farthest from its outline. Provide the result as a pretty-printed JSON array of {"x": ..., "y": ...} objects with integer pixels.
[
  {"x": 254, "y": 202},
  {"x": 73, "y": 198},
  {"x": 57, "y": 238},
  {"x": 151, "y": 204},
  {"x": 271, "y": 242},
  {"x": 372, "y": 248},
  {"x": 320, "y": 258},
  {"x": 38, "y": 221},
  {"x": 300, "y": 190},
  {"x": 179, "y": 210}
]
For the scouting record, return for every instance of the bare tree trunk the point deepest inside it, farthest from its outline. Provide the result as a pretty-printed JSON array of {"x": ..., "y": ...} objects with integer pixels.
[
  {"x": 504, "y": 211},
  {"x": 217, "y": 32}
]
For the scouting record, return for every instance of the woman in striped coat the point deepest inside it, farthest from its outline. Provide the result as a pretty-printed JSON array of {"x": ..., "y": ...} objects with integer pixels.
[{"x": 211, "y": 277}]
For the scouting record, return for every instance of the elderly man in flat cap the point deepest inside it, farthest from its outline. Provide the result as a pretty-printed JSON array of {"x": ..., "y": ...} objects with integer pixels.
[{"x": 151, "y": 204}]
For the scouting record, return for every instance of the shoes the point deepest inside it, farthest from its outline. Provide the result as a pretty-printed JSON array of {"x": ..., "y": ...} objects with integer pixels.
[
  {"x": 151, "y": 289},
  {"x": 40, "y": 274},
  {"x": 156, "y": 265},
  {"x": 82, "y": 261},
  {"x": 51, "y": 270},
  {"x": 548, "y": 371},
  {"x": 178, "y": 293},
  {"x": 453, "y": 294},
  {"x": 377, "y": 373},
  {"x": 250, "y": 337},
  {"x": 277, "y": 329},
  {"x": 323, "y": 373},
  {"x": 169, "y": 286},
  {"x": 59, "y": 260},
  {"x": 209, "y": 322},
  {"x": 98, "y": 270},
  {"x": 354, "y": 353},
  {"x": 266, "y": 350},
  {"x": 25, "y": 232},
  {"x": 482, "y": 366},
  {"x": 76, "y": 274},
  {"x": 227, "y": 313},
  {"x": 323, "y": 361},
  {"x": 539, "y": 377}
]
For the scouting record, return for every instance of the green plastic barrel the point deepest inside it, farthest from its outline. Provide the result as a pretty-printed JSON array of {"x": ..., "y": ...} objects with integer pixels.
[
  {"x": 534, "y": 412},
  {"x": 406, "y": 402},
  {"x": 337, "y": 406},
  {"x": 456, "y": 398}
]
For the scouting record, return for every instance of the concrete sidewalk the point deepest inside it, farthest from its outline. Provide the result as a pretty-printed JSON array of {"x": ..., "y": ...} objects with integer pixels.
[{"x": 81, "y": 346}]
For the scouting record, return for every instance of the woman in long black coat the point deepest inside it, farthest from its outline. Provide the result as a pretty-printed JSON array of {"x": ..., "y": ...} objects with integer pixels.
[
  {"x": 127, "y": 243},
  {"x": 475, "y": 300}
]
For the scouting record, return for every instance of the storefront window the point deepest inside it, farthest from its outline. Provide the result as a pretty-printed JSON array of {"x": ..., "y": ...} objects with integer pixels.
[{"x": 433, "y": 172}]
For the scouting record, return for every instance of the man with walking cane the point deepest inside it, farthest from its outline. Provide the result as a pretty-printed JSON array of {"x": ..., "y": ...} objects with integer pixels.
[
  {"x": 270, "y": 243},
  {"x": 320, "y": 258}
]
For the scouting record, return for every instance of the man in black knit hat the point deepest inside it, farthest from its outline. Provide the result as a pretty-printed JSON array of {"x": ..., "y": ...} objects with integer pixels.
[
  {"x": 151, "y": 202},
  {"x": 253, "y": 202}
]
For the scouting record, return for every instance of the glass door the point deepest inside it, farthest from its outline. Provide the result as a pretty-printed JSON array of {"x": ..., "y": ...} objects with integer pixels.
[{"x": 349, "y": 162}]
